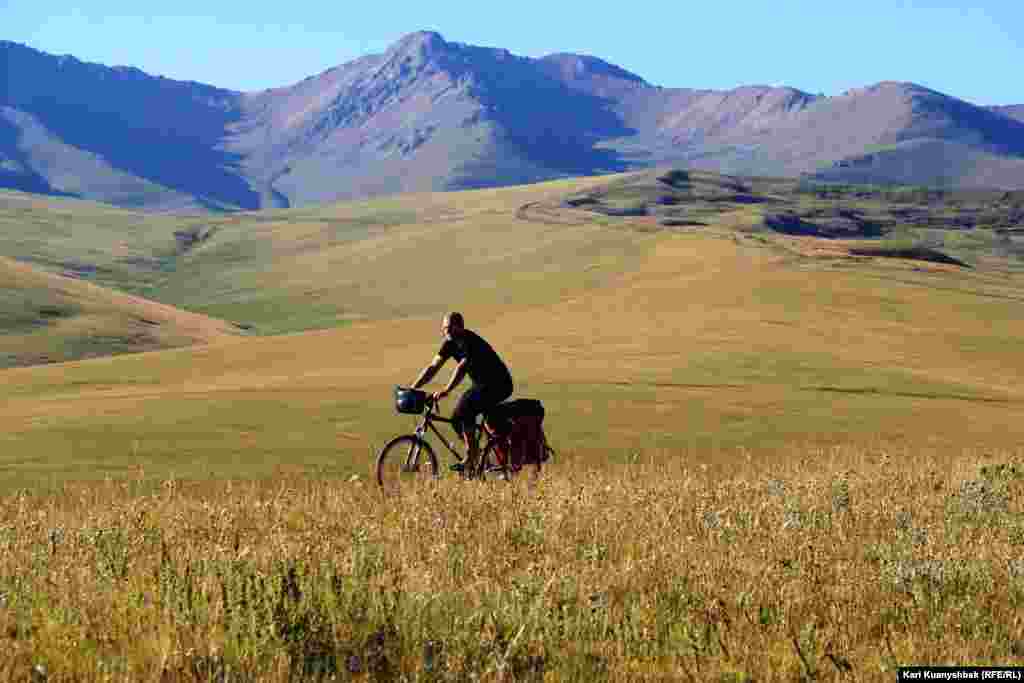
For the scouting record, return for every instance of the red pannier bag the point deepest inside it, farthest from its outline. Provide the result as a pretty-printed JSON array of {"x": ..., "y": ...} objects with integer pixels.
[{"x": 519, "y": 426}]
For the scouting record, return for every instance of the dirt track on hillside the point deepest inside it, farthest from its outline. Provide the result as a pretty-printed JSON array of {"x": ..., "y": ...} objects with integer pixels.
[{"x": 541, "y": 212}]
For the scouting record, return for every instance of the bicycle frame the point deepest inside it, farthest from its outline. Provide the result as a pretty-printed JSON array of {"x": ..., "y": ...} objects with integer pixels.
[{"x": 430, "y": 417}]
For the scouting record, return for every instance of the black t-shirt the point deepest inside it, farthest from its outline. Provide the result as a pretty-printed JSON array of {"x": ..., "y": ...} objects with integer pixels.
[{"x": 485, "y": 366}]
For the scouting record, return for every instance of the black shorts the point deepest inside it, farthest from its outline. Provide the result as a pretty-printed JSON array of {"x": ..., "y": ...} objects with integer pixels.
[{"x": 478, "y": 399}]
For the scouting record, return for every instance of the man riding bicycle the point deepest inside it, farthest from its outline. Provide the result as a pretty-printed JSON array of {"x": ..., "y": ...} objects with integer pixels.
[{"x": 492, "y": 382}]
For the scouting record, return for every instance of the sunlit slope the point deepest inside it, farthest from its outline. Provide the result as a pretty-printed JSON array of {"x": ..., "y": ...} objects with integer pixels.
[
  {"x": 707, "y": 344},
  {"x": 299, "y": 269},
  {"x": 291, "y": 270},
  {"x": 46, "y": 318},
  {"x": 319, "y": 267}
]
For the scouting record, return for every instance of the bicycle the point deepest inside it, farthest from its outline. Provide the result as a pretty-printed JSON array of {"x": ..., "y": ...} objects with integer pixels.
[{"x": 409, "y": 458}]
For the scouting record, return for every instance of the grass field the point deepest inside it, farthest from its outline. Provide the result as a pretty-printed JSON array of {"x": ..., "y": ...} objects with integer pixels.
[
  {"x": 660, "y": 571},
  {"x": 684, "y": 368}
]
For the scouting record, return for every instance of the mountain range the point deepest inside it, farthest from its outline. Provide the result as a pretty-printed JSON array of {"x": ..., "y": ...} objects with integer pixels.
[{"x": 428, "y": 114}]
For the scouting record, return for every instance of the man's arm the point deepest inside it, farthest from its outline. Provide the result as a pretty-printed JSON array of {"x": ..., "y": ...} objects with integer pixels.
[
  {"x": 429, "y": 372},
  {"x": 460, "y": 372}
]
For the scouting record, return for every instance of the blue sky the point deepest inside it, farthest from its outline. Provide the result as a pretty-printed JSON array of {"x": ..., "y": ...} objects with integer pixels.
[{"x": 973, "y": 53}]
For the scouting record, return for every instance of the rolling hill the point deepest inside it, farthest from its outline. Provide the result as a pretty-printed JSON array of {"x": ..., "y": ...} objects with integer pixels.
[
  {"x": 429, "y": 115},
  {"x": 653, "y": 312},
  {"x": 291, "y": 270},
  {"x": 47, "y": 318}
]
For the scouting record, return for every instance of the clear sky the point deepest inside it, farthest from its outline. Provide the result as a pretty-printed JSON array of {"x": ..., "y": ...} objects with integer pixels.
[{"x": 818, "y": 46}]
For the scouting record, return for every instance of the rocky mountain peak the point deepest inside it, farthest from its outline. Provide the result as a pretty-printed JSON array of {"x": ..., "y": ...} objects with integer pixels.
[
  {"x": 414, "y": 55},
  {"x": 571, "y": 66},
  {"x": 423, "y": 44}
]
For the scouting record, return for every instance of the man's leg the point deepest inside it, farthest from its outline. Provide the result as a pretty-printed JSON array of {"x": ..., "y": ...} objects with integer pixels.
[
  {"x": 464, "y": 416},
  {"x": 472, "y": 448},
  {"x": 476, "y": 401},
  {"x": 494, "y": 398},
  {"x": 488, "y": 399}
]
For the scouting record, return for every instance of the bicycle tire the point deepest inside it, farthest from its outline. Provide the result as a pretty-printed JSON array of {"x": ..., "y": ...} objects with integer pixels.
[{"x": 399, "y": 468}]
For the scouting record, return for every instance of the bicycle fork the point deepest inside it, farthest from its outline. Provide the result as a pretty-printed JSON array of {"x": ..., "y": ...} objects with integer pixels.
[{"x": 412, "y": 460}]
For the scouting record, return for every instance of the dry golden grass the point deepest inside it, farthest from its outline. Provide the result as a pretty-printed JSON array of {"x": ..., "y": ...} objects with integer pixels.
[{"x": 655, "y": 571}]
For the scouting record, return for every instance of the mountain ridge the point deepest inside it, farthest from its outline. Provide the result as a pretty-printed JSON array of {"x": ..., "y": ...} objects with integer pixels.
[
  {"x": 428, "y": 114},
  {"x": 1014, "y": 111}
]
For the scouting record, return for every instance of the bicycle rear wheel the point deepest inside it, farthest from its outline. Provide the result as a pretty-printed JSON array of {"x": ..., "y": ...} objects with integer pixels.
[
  {"x": 488, "y": 465},
  {"x": 404, "y": 462}
]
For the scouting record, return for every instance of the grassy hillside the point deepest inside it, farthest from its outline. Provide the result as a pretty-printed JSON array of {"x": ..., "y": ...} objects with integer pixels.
[
  {"x": 99, "y": 243},
  {"x": 294, "y": 270},
  {"x": 641, "y": 337},
  {"x": 291, "y": 270},
  {"x": 46, "y": 318}
]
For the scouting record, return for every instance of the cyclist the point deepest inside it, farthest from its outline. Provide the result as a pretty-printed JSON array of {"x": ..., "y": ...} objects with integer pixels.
[{"x": 492, "y": 382}]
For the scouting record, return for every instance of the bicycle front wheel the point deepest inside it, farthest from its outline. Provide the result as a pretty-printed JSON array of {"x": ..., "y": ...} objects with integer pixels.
[{"x": 405, "y": 461}]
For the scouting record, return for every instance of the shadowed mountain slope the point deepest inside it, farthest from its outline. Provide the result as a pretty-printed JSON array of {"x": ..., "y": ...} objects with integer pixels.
[
  {"x": 118, "y": 134},
  {"x": 429, "y": 114}
]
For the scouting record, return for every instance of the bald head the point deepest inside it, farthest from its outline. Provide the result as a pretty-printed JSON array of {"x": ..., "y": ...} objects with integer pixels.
[{"x": 452, "y": 325}]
